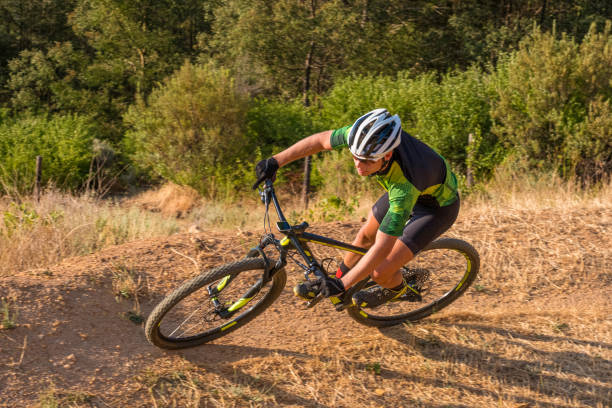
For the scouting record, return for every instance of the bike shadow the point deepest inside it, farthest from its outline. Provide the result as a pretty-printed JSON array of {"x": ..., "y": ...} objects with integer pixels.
[
  {"x": 527, "y": 336},
  {"x": 216, "y": 356},
  {"x": 572, "y": 380},
  {"x": 221, "y": 358}
]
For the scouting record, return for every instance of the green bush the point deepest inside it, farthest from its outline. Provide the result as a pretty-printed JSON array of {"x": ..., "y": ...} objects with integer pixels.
[
  {"x": 442, "y": 112},
  {"x": 64, "y": 142},
  {"x": 192, "y": 131},
  {"x": 446, "y": 112},
  {"x": 553, "y": 105},
  {"x": 273, "y": 125},
  {"x": 353, "y": 96}
]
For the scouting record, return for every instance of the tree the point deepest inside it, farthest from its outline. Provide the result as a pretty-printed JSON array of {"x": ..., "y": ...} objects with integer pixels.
[
  {"x": 192, "y": 129},
  {"x": 31, "y": 24}
]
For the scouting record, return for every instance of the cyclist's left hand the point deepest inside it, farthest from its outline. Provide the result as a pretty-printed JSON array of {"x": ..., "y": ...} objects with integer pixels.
[
  {"x": 331, "y": 287},
  {"x": 265, "y": 169}
]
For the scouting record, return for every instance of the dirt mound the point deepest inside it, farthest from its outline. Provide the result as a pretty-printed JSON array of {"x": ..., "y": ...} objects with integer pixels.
[{"x": 78, "y": 338}]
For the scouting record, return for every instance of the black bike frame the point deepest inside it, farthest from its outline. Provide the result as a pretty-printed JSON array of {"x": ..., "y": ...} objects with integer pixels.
[{"x": 297, "y": 238}]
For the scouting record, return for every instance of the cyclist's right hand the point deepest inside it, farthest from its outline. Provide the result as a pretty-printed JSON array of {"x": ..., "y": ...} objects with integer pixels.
[
  {"x": 265, "y": 169},
  {"x": 331, "y": 287}
]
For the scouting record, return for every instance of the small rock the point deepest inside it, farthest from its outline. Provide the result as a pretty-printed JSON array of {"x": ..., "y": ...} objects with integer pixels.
[{"x": 194, "y": 229}]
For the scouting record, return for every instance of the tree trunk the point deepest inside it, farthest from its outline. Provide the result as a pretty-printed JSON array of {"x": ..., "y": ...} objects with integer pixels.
[
  {"x": 543, "y": 13},
  {"x": 307, "y": 72},
  {"x": 306, "y": 100}
]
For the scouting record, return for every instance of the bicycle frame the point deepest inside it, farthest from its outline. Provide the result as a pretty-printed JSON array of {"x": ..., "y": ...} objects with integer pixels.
[{"x": 295, "y": 238}]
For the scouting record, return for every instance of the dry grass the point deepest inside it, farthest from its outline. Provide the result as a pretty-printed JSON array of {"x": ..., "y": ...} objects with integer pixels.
[
  {"x": 535, "y": 330},
  {"x": 525, "y": 337},
  {"x": 37, "y": 234},
  {"x": 441, "y": 363},
  {"x": 170, "y": 200},
  {"x": 543, "y": 235}
]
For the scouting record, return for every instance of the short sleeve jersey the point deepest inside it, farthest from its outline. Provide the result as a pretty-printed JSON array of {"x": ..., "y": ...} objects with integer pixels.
[{"x": 417, "y": 173}]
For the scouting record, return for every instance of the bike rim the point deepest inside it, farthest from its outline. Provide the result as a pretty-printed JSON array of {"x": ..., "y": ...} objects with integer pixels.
[
  {"x": 198, "y": 315},
  {"x": 438, "y": 275}
]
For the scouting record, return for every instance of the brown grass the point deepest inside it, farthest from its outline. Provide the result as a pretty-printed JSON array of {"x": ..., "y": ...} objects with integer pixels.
[
  {"x": 547, "y": 235},
  {"x": 534, "y": 331},
  {"x": 38, "y": 234}
]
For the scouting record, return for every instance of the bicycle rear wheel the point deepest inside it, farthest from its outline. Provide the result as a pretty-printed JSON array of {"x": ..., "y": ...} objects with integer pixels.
[
  {"x": 437, "y": 276},
  {"x": 213, "y": 304}
]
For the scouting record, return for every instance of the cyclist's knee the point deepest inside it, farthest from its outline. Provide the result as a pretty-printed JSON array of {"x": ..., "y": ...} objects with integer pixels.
[
  {"x": 367, "y": 233},
  {"x": 364, "y": 238}
]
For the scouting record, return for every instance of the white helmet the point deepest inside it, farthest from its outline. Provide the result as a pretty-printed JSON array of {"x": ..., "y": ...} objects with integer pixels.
[{"x": 374, "y": 134}]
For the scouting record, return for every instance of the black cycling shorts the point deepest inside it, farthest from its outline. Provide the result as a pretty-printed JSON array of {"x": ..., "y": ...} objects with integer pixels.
[{"x": 425, "y": 224}]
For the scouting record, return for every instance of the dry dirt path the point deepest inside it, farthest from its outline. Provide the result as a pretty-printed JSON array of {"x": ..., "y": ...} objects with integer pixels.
[{"x": 511, "y": 343}]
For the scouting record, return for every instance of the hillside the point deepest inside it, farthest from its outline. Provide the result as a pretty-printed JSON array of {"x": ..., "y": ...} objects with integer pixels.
[{"x": 534, "y": 331}]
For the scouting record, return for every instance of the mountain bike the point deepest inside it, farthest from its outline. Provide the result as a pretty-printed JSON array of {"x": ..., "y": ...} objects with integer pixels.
[{"x": 225, "y": 298}]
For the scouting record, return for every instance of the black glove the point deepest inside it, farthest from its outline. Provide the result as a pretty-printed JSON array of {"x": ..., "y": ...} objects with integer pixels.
[
  {"x": 331, "y": 287},
  {"x": 265, "y": 169}
]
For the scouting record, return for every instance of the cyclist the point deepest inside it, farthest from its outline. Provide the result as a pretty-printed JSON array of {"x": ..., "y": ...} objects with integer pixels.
[{"x": 420, "y": 203}]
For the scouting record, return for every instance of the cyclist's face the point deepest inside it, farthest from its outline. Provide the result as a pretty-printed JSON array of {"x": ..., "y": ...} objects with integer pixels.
[{"x": 367, "y": 167}]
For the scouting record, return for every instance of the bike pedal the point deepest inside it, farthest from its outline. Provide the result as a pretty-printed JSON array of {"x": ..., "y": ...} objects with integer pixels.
[
  {"x": 338, "y": 303},
  {"x": 314, "y": 301},
  {"x": 340, "y": 307}
]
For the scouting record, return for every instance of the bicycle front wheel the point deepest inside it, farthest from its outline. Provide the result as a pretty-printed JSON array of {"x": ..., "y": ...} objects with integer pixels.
[
  {"x": 213, "y": 304},
  {"x": 437, "y": 276}
]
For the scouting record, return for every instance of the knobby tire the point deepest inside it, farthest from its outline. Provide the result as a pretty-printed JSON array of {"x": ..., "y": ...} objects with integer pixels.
[
  {"x": 379, "y": 317},
  {"x": 156, "y": 319}
]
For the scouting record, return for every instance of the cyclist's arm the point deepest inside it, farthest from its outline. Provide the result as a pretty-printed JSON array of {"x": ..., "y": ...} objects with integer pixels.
[
  {"x": 376, "y": 254},
  {"x": 305, "y": 147}
]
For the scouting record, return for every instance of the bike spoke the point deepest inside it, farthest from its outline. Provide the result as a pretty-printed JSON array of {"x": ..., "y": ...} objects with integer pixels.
[
  {"x": 197, "y": 313},
  {"x": 431, "y": 275}
]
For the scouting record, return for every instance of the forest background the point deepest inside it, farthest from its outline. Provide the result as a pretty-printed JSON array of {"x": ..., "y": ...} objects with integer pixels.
[{"x": 116, "y": 95}]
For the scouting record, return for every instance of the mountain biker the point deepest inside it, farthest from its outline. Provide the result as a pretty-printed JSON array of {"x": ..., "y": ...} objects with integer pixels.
[{"x": 420, "y": 203}]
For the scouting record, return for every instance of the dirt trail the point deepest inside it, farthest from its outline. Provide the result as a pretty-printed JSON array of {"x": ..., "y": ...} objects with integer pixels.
[{"x": 78, "y": 340}]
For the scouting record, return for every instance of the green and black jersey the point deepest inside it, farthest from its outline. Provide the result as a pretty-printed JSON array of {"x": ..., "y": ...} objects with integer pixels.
[{"x": 417, "y": 173}]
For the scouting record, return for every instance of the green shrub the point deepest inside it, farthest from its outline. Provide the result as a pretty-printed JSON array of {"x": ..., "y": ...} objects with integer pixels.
[
  {"x": 553, "y": 105},
  {"x": 334, "y": 174},
  {"x": 64, "y": 142},
  {"x": 446, "y": 112},
  {"x": 442, "y": 113},
  {"x": 273, "y": 125},
  {"x": 353, "y": 96},
  {"x": 589, "y": 148},
  {"x": 192, "y": 130}
]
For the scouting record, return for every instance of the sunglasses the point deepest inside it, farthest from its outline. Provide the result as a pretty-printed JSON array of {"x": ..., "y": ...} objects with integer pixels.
[{"x": 365, "y": 160}]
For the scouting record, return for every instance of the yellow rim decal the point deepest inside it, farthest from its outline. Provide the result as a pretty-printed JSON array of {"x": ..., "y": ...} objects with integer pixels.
[
  {"x": 239, "y": 304},
  {"x": 364, "y": 314},
  {"x": 335, "y": 246},
  {"x": 467, "y": 272},
  {"x": 222, "y": 284},
  {"x": 227, "y": 326},
  {"x": 412, "y": 289}
]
